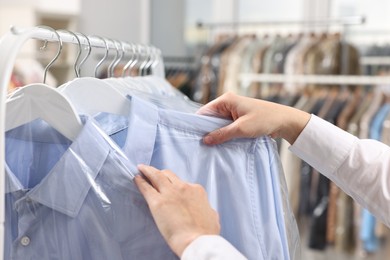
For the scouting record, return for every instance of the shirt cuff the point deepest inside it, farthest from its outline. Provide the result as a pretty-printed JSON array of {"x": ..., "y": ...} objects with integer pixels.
[
  {"x": 211, "y": 247},
  {"x": 323, "y": 145}
]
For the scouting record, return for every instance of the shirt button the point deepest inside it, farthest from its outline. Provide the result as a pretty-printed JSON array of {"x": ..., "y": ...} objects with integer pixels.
[{"x": 25, "y": 241}]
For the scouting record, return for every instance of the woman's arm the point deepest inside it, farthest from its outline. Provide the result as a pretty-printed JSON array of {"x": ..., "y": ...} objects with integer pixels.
[{"x": 361, "y": 168}]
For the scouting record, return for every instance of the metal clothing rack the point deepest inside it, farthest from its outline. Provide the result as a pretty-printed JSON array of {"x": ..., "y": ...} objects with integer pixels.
[
  {"x": 316, "y": 79},
  {"x": 375, "y": 60},
  {"x": 174, "y": 59},
  {"x": 343, "y": 21},
  {"x": 10, "y": 45}
]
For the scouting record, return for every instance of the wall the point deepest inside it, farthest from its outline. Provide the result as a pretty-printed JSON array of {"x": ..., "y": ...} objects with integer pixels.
[
  {"x": 167, "y": 26},
  {"x": 265, "y": 10},
  {"x": 53, "y": 13},
  {"x": 59, "y": 7},
  {"x": 119, "y": 19},
  {"x": 377, "y": 26},
  {"x": 376, "y": 29},
  {"x": 125, "y": 20}
]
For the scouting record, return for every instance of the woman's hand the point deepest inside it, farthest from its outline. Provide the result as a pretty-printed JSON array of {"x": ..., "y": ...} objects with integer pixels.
[
  {"x": 253, "y": 118},
  {"x": 181, "y": 210}
]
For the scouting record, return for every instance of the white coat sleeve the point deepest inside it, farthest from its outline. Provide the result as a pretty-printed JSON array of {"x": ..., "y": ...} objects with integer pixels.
[
  {"x": 360, "y": 167},
  {"x": 211, "y": 247}
]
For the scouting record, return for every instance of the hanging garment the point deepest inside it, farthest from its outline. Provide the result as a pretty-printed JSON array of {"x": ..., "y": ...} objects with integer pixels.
[
  {"x": 353, "y": 163},
  {"x": 258, "y": 66},
  {"x": 344, "y": 232},
  {"x": 367, "y": 232},
  {"x": 248, "y": 167},
  {"x": 74, "y": 200},
  {"x": 318, "y": 229},
  {"x": 248, "y": 65},
  {"x": 273, "y": 60},
  {"x": 79, "y": 201},
  {"x": 306, "y": 200},
  {"x": 367, "y": 220},
  {"x": 386, "y": 131},
  {"x": 292, "y": 166},
  {"x": 208, "y": 79},
  {"x": 232, "y": 69},
  {"x": 294, "y": 61}
]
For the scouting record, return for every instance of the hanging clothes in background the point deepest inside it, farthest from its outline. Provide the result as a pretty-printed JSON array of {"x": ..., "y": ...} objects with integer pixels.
[
  {"x": 206, "y": 83},
  {"x": 180, "y": 73},
  {"x": 334, "y": 218},
  {"x": 223, "y": 62}
]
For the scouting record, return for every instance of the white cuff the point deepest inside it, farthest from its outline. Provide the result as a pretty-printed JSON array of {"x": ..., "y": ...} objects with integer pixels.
[{"x": 211, "y": 247}]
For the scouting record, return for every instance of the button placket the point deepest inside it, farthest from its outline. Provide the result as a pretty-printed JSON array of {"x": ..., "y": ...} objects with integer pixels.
[{"x": 26, "y": 219}]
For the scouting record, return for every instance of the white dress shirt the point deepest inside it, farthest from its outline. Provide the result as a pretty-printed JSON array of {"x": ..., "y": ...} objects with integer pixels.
[{"x": 360, "y": 167}]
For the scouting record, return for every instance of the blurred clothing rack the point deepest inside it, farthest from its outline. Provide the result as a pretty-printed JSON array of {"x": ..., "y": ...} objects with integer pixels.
[{"x": 344, "y": 22}]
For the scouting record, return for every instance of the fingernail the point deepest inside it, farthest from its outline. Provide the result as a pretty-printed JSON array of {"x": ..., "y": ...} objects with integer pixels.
[
  {"x": 208, "y": 139},
  {"x": 141, "y": 168}
]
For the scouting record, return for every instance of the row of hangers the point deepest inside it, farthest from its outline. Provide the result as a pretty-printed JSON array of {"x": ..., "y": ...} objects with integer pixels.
[
  {"x": 143, "y": 58},
  {"x": 60, "y": 107}
]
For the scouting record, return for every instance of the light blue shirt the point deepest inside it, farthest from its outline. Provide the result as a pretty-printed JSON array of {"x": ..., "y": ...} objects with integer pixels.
[
  {"x": 80, "y": 203},
  {"x": 242, "y": 177},
  {"x": 74, "y": 201}
]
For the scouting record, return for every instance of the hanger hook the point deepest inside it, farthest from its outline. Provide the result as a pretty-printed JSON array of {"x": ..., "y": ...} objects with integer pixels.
[
  {"x": 136, "y": 57},
  {"x": 156, "y": 58},
  {"x": 151, "y": 59},
  {"x": 147, "y": 60},
  {"x": 140, "y": 58},
  {"x": 120, "y": 56},
  {"x": 58, "y": 51},
  {"x": 88, "y": 54},
  {"x": 138, "y": 63},
  {"x": 144, "y": 62},
  {"x": 110, "y": 69},
  {"x": 130, "y": 60},
  {"x": 105, "y": 54},
  {"x": 78, "y": 53}
]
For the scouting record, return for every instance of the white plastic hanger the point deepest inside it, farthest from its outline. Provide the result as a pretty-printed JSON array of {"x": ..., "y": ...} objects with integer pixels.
[
  {"x": 150, "y": 88},
  {"x": 91, "y": 96},
  {"x": 42, "y": 101}
]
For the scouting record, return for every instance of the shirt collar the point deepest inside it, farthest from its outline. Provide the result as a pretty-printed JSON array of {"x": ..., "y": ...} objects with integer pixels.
[
  {"x": 142, "y": 130},
  {"x": 66, "y": 186},
  {"x": 141, "y": 125}
]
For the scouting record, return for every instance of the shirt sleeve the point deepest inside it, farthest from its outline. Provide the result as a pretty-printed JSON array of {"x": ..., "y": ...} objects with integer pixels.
[
  {"x": 360, "y": 167},
  {"x": 211, "y": 247}
]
